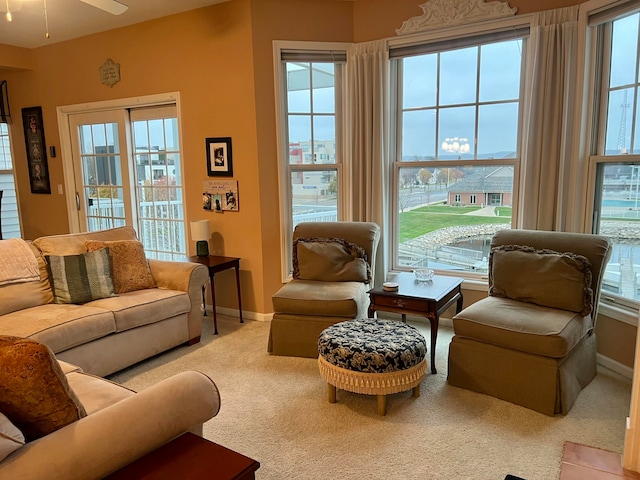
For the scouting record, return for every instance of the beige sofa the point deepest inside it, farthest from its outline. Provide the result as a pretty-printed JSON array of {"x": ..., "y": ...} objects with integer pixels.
[
  {"x": 120, "y": 426},
  {"x": 109, "y": 334}
]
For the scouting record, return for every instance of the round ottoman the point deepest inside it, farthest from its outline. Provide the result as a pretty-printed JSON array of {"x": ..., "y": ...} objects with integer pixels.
[{"x": 371, "y": 356}]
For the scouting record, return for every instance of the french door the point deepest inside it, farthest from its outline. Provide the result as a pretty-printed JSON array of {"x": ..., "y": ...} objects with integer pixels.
[{"x": 127, "y": 170}]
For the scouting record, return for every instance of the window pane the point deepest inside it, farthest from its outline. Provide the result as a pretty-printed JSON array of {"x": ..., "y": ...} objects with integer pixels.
[
  {"x": 457, "y": 126},
  {"x": 618, "y": 139},
  {"x": 298, "y": 87},
  {"x": 419, "y": 81},
  {"x": 619, "y": 208},
  {"x": 458, "y": 76},
  {"x": 497, "y": 130},
  {"x": 500, "y": 71},
  {"x": 624, "y": 51},
  {"x": 300, "y": 133},
  {"x": 324, "y": 134},
  {"x": 314, "y": 196},
  {"x": 447, "y": 216},
  {"x": 323, "y": 88},
  {"x": 418, "y": 135}
]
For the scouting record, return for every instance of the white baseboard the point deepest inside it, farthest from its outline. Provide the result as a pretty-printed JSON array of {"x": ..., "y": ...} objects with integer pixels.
[
  {"x": 614, "y": 366},
  {"x": 233, "y": 312}
]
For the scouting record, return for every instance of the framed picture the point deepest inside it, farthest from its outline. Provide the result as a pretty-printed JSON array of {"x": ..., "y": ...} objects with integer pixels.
[
  {"x": 219, "y": 161},
  {"x": 36, "y": 150}
]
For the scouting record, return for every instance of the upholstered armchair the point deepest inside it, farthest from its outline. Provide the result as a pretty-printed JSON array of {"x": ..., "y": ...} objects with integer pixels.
[
  {"x": 531, "y": 341},
  {"x": 333, "y": 268}
]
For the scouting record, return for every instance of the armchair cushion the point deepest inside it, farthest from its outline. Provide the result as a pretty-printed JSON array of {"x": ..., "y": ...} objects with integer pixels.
[
  {"x": 544, "y": 277},
  {"x": 329, "y": 260},
  {"x": 521, "y": 326},
  {"x": 330, "y": 299}
]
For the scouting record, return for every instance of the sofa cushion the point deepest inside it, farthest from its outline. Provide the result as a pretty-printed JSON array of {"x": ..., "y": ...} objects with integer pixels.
[
  {"x": 522, "y": 326},
  {"x": 333, "y": 299},
  {"x": 80, "y": 278},
  {"x": 59, "y": 326},
  {"x": 142, "y": 307},
  {"x": 128, "y": 262},
  {"x": 96, "y": 393},
  {"x": 11, "y": 438},
  {"x": 34, "y": 393},
  {"x": 544, "y": 277},
  {"x": 74, "y": 243},
  {"x": 329, "y": 260}
]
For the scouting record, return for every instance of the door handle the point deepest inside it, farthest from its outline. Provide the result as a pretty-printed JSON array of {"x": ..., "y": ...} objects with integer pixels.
[{"x": 77, "y": 201}]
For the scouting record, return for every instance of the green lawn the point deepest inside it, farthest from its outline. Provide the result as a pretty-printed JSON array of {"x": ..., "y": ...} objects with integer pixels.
[{"x": 427, "y": 219}]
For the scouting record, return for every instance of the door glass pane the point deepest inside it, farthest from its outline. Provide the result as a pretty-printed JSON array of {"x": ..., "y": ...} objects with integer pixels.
[
  {"x": 102, "y": 175},
  {"x": 157, "y": 174}
]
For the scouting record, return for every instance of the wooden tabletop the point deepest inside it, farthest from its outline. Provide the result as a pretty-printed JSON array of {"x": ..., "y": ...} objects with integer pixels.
[{"x": 409, "y": 287}]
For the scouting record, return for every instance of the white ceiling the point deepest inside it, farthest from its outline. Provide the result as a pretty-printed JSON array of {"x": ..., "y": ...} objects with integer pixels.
[{"x": 72, "y": 18}]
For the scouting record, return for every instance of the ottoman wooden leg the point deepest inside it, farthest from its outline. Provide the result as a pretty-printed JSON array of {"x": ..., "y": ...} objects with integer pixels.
[
  {"x": 416, "y": 391},
  {"x": 382, "y": 405},
  {"x": 332, "y": 393}
]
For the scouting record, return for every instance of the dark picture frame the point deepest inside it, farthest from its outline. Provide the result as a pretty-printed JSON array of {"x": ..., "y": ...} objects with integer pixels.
[
  {"x": 219, "y": 158},
  {"x": 36, "y": 150}
]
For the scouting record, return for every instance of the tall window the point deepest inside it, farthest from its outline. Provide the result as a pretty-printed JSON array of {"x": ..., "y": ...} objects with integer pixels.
[
  {"x": 9, "y": 218},
  {"x": 457, "y": 110},
  {"x": 615, "y": 156},
  {"x": 311, "y": 143}
]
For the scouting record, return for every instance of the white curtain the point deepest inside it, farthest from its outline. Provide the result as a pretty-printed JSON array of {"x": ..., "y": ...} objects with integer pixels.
[
  {"x": 549, "y": 111},
  {"x": 367, "y": 133}
]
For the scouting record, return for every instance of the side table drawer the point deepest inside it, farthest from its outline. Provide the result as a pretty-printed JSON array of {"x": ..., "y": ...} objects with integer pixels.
[{"x": 382, "y": 301}]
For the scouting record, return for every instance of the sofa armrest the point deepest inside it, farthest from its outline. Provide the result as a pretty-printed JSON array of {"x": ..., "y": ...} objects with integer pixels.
[
  {"x": 115, "y": 436},
  {"x": 185, "y": 277}
]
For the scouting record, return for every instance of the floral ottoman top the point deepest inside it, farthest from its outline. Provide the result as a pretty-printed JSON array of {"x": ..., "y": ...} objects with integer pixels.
[{"x": 372, "y": 346}]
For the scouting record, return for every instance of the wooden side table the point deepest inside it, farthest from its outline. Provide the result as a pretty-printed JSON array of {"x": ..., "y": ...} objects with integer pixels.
[
  {"x": 425, "y": 299},
  {"x": 215, "y": 264},
  {"x": 190, "y": 456}
]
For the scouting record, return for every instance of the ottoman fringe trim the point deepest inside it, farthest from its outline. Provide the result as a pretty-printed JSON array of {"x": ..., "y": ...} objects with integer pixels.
[{"x": 372, "y": 383}]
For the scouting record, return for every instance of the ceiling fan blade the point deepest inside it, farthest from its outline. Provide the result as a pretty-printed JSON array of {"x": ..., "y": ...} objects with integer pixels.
[{"x": 111, "y": 6}]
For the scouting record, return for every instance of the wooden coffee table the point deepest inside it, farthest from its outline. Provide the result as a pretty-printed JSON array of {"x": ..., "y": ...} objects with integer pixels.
[
  {"x": 190, "y": 456},
  {"x": 425, "y": 299}
]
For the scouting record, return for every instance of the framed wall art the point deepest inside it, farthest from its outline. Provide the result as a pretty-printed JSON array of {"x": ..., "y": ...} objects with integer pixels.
[
  {"x": 36, "y": 150},
  {"x": 219, "y": 160}
]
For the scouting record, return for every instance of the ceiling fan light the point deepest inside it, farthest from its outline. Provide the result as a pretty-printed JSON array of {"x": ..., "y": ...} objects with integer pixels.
[{"x": 110, "y": 6}]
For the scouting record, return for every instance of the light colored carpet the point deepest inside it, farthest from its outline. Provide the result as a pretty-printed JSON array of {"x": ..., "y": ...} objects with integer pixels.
[{"x": 275, "y": 410}]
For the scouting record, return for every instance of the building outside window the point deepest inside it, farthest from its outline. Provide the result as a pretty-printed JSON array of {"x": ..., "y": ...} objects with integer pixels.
[{"x": 456, "y": 114}]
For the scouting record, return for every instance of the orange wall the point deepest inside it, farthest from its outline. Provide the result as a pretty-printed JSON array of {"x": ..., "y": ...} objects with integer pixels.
[{"x": 220, "y": 60}]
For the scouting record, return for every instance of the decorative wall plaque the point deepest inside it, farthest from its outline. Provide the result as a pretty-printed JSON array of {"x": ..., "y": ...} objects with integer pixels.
[
  {"x": 110, "y": 73},
  {"x": 445, "y": 13}
]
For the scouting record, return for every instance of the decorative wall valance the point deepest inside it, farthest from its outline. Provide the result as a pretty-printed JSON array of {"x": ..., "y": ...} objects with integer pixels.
[{"x": 445, "y": 13}]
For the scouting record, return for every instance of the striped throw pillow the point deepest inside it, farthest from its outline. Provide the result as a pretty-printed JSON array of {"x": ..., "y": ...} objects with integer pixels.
[{"x": 80, "y": 278}]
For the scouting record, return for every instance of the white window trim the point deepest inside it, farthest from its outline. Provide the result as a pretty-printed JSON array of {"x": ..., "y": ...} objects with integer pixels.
[
  {"x": 64, "y": 112},
  {"x": 284, "y": 193}
]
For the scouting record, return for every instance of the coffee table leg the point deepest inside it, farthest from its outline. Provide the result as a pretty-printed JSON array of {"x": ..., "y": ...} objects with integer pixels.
[
  {"x": 382, "y": 405},
  {"x": 434, "y": 320}
]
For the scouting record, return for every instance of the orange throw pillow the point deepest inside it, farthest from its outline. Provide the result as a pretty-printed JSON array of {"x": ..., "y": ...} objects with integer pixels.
[
  {"x": 34, "y": 393},
  {"x": 129, "y": 266}
]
